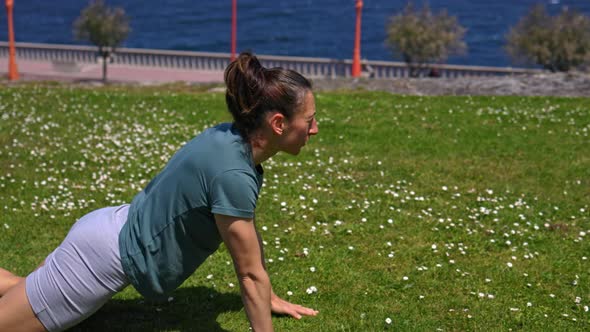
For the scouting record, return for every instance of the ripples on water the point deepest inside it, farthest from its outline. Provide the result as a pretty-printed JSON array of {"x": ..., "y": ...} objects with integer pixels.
[{"x": 283, "y": 27}]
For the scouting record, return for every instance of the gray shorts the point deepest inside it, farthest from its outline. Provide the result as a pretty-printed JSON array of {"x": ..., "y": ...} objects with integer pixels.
[{"x": 82, "y": 274}]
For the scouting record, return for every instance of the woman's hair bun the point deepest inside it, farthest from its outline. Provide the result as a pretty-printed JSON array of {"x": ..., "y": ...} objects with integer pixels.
[
  {"x": 253, "y": 90},
  {"x": 244, "y": 78}
]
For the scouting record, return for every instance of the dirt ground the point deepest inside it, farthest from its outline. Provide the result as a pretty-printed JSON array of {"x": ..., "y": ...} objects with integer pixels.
[
  {"x": 573, "y": 84},
  {"x": 576, "y": 84}
]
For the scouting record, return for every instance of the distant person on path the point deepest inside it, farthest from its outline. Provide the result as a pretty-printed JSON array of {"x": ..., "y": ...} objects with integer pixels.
[{"x": 207, "y": 193}]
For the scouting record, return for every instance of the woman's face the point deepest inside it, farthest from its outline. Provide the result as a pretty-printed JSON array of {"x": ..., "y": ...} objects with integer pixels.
[{"x": 301, "y": 126}]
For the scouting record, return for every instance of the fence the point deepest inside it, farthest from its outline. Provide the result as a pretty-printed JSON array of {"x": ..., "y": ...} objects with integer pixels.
[{"x": 62, "y": 55}]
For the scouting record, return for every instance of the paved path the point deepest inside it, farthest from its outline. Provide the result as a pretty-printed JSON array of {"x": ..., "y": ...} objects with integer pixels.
[
  {"x": 36, "y": 70},
  {"x": 558, "y": 84}
]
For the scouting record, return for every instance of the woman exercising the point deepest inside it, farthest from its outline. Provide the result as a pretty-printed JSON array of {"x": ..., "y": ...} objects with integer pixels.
[{"x": 206, "y": 194}]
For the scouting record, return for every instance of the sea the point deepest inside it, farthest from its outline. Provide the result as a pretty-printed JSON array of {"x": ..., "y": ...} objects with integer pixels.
[{"x": 308, "y": 28}]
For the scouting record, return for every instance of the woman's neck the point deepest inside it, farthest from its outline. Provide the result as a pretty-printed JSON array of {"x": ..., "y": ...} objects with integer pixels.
[{"x": 262, "y": 149}]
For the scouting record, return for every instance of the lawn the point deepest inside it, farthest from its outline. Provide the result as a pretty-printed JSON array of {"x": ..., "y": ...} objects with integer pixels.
[{"x": 403, "y": 214}]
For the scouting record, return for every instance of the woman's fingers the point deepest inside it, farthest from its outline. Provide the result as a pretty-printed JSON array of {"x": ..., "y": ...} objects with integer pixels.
[
  {"x": 295, "y": 314},
  {"x": 303, "y": 310},
  {"x": 307, "y": 311},
  {"x": 297, "y": 311}
]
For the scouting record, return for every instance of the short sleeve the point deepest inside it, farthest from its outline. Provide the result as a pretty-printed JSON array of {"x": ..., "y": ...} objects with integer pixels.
[{"x": 234, "y": 193}]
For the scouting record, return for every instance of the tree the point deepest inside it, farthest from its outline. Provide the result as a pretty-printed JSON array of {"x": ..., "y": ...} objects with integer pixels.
[
  {"x": 104, "y": 27},
  {"x": 421, "y": 37},
  {"x": 557, "y": 43}
]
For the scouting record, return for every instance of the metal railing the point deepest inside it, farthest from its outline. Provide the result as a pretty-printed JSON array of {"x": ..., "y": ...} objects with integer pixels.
[{"x": 185, "y": 60}]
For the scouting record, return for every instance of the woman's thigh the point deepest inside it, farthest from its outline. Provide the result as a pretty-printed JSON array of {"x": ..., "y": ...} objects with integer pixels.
[
  {"x": 81, "y": 274},
  {"x": 16, "y": 313}
]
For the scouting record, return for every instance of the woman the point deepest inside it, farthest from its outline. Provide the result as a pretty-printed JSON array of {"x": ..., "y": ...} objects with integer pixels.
[{"x": 207, "y": 193}]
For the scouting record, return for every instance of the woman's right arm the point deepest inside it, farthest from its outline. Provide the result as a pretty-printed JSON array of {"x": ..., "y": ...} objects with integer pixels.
[{"x": 239, "y": 236}]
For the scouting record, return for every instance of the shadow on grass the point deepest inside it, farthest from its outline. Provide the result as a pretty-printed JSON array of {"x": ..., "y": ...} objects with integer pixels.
[{"x": 192, "y": 309}]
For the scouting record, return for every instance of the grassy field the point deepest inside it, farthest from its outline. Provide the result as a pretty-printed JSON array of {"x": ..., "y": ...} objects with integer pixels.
[{"x": 403, "y": 214}]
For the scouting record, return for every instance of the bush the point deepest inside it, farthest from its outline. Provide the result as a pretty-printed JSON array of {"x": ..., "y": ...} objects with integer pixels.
[
  {"x": 421, "y": 37},
  {"x": 557, "y": 43},
  {"x": 104, "y": 27}
]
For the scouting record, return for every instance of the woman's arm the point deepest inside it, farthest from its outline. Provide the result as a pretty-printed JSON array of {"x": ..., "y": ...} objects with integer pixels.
[
  {"x": 241, "y": 239},
  {"x": 277, "y": 304}
]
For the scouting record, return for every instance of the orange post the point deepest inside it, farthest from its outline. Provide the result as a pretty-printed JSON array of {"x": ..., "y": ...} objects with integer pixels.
[
  {"x": 12, "y": 70},
  {"x": 356, "y": 54},
  {"x": 234, "y": 23}
]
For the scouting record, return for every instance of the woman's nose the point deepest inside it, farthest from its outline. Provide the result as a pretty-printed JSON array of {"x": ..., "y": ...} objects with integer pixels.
[{"x": 314, "y": 128}]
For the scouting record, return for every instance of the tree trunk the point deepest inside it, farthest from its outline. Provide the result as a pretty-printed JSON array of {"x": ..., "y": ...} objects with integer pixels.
[{"x": 105, "y": 57}]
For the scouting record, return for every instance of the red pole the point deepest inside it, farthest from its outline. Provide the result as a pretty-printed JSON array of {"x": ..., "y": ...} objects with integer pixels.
[
  {"x": 234, "y": 23},
  {"x": 356, "y": 54},
  {"x": 12, "y": 69}
]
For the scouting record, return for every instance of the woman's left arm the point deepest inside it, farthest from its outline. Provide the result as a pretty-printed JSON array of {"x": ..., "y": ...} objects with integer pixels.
[{"x": 277, "y": 304}]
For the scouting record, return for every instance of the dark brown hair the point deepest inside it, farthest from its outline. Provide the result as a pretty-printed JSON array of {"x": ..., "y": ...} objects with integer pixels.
[{"x": 253, "y": 90}]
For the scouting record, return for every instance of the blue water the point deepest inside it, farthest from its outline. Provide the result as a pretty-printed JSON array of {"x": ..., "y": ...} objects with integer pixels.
[{"x": 316, "y": 28}]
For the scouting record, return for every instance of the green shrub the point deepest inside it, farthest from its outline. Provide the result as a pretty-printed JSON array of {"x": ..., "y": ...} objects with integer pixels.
[
  {"x": 421, "y": 37},
  {"x": 104, "y": 27},
  {"x": 557, "y": 43}
]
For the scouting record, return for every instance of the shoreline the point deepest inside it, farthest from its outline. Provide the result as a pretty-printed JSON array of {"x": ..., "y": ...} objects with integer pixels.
[{"x": 571, "y": 84}]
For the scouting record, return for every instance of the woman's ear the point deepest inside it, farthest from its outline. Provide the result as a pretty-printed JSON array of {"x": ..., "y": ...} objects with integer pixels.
[{"x": 277, "y": 122}]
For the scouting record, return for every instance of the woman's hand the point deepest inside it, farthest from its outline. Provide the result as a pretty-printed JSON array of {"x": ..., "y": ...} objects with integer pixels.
[{"x": 281, "y": 307}]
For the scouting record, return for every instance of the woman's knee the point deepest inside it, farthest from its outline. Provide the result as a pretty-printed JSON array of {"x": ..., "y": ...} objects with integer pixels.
[
  {"x": 7, "y": 281},
  {"x": 16, "y": 313}
]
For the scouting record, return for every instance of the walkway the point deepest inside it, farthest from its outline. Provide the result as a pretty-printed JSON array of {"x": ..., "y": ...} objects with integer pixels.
[{"x": 33, "y": 70}]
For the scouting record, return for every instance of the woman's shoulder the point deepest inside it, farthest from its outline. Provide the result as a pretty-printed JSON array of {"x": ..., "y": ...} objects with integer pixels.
[
  {"x": 213, "y": 136},
  {"x": 221, "y": 132},
  {"x": 221, "y": 145}
]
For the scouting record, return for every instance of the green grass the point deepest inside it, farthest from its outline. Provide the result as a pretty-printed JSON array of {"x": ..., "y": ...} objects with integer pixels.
[{"x": 410, "y": 208}]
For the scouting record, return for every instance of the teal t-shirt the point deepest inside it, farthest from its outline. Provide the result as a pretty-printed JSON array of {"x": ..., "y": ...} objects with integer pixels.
[{"x": 170, "y": 229}]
